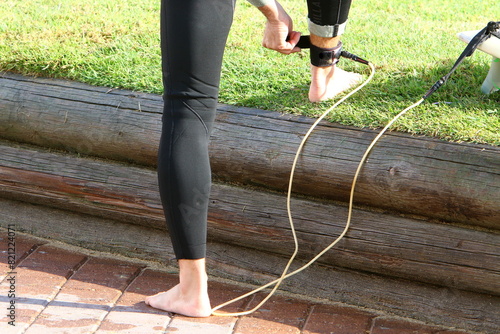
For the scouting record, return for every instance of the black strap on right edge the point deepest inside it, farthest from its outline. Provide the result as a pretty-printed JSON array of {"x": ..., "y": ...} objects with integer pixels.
[{"x": 493, "y": 28}]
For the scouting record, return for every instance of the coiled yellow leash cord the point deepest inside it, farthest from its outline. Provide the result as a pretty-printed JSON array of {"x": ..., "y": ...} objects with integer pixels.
[{"x": 285, "y": 273}]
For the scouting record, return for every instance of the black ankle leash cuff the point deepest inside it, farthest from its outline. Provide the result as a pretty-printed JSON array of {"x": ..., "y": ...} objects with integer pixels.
[
  {"x": 321, "y": 57},
  {"x": 326, "y": 57}
]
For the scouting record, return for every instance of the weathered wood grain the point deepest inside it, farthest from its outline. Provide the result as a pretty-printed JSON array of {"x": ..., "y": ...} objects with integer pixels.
[
  {"x": 457, "y": 183},
  {"x": 377, "y": 242}
]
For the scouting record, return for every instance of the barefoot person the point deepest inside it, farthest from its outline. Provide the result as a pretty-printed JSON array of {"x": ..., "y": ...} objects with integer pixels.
[{"x": 193, "y": 37}]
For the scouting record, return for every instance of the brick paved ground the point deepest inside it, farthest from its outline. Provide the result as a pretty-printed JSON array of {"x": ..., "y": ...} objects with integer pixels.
[{"x": 63, "y": 290}]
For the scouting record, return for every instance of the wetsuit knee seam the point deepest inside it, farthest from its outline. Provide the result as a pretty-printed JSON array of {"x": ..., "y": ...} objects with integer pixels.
[{"x": 197, "y": 116}]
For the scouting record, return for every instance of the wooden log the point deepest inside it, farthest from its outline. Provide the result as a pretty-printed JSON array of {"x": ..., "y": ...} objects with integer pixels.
[
  {"x": 412, "y": 175},
  {"x": 377, "y": 242},
  {"x": 120, "y": 125}
]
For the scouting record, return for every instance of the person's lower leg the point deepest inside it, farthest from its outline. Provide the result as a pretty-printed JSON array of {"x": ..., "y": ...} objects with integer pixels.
[
  {"x": 193, "y": 38},
  {"x": 327, "y": 22}
]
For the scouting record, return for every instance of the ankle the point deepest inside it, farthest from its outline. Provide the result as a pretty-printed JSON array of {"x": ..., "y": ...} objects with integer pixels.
[
  {"x": 322, "y": 53},
  {"x": 192, "y": 267},
  {"x": 192, "y": 275},
  {"x": 324, "y": 42}
]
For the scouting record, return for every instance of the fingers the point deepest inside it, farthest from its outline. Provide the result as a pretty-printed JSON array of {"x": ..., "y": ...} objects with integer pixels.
[
  {"x": 293, "y": 39},
  {"x": 285, "y": 46},
  {"x": 278, "y": 33}
]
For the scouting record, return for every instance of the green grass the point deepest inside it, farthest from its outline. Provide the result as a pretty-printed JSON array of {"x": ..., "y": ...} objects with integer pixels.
[{"x": 412, "y": 43}]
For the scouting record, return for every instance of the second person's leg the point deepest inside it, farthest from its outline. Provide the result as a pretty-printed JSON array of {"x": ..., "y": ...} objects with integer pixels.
[{"x": 327, "y": 22}]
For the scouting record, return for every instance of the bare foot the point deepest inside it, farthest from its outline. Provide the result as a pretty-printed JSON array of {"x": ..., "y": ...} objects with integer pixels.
[
  {"x": 328, "y": 82},
  {"x": 186, "y": 304},
  {"x": 190, "y": 296}
]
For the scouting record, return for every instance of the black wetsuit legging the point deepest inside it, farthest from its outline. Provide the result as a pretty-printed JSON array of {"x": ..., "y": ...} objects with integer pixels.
[{"x": 193, "y": 37}]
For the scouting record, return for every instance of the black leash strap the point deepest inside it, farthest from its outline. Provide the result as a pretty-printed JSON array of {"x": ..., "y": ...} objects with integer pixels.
[
  {"x": 492, "y": 29},
  {"x": 305, "y": 43}
]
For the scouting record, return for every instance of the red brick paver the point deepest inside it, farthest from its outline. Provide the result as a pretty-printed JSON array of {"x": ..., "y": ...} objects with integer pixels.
[
  {"x": 23, "y": 248},
  {"x": 86, "y": 299},
  {"x": 131, "y": 314},
  {"x": 38, "y": 279},
  {"x": 338, "y": 320},
  {"x": 278, "y": 316},
  {"x": 65, "y": 291}
]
